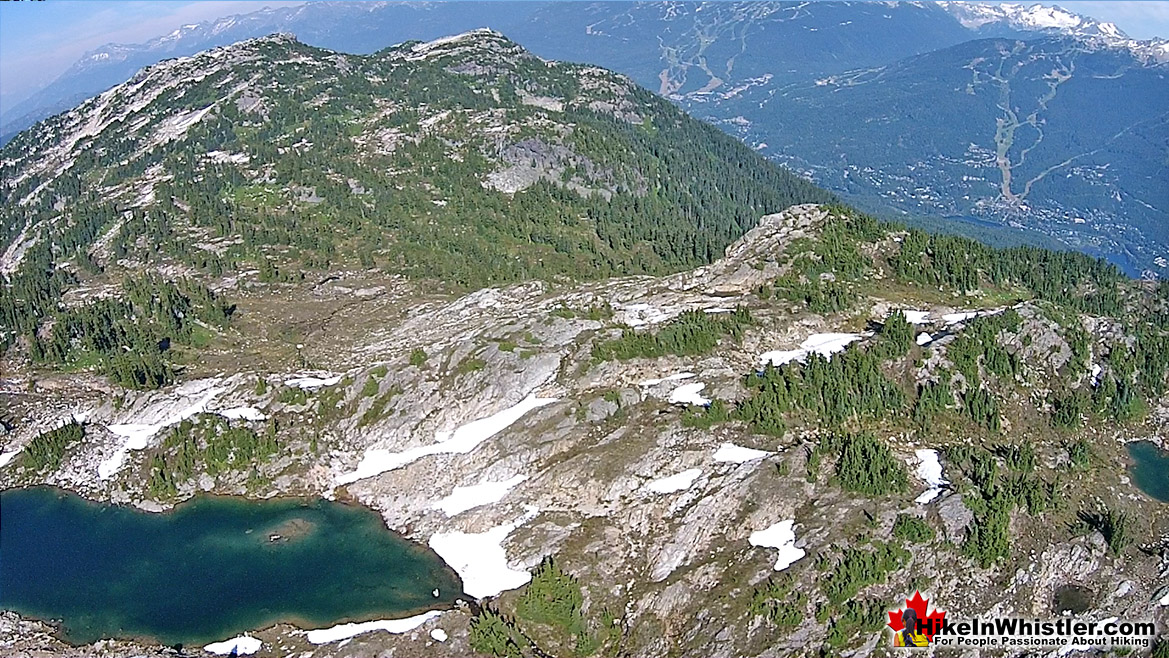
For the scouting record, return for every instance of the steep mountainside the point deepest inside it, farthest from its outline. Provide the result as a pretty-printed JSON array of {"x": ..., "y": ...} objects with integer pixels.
[
  {"x": 1037, "y": 146},
  {"x": 646, "y": 392},
  {"x": 611, "y": 466},
  {"x": 791, "y": 78},
  {"x": 350, "y": 27},
  {"x": 655, "y": 42},
  {"x": 465, "y": 160}
]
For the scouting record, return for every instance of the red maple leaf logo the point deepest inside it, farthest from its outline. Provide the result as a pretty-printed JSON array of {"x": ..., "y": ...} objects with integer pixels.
[{"x": 929, "y": 623}]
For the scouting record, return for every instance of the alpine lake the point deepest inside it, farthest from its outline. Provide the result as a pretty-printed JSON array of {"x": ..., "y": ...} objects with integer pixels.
[
  {"x": 209, "y": 569},
  {"x": 1149, "y": 469}
]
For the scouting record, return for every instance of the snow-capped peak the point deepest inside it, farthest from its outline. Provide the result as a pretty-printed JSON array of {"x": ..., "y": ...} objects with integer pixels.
[
  {"x": 1052, "y": 19},
  {"x": 1036, "y": 17}
]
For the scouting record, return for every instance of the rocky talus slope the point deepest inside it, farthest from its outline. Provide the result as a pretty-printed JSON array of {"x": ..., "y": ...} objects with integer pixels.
[{"x": 495, "y": 419}]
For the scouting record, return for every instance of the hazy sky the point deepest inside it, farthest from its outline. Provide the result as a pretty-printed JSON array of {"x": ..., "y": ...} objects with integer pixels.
[{"x": 39, "y": 40}]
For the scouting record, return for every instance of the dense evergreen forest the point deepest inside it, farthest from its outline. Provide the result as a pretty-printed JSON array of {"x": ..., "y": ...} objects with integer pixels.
[{"x": 380, "y": 162}]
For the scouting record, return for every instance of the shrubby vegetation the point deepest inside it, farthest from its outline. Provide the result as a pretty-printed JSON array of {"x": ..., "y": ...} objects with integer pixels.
[
  {"x": 417, "y": 356},
  {"x": 207, "y": 444},
  {"x": 818, "y": 295},
  {"x": 859, "y": 567},
  {"x": 912, "y": 529},
  {"x": 1070, "y": 279},
  {"x": 933, "y": 398},
  {"x": 1115, "y": 526},
  {"x": 127, "y": 338},
  {"x": 691, "y": 333},
  {"x": 552, "y": 597},
  {"x": 495, "y": 635},
  {"x": 553, "y": 600},
  {"x": 864, "y": 464},
  {"x": 46, "y": 451},
  {"x": 848, "y": 385},
  {"x": 861, "y": 616},
  {"x": 775, "y": 601},
  {"x": 996, "y": 495}
]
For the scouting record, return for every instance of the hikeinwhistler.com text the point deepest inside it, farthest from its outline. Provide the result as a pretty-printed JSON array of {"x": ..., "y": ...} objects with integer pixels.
[{"x": 1014, "y": 632}]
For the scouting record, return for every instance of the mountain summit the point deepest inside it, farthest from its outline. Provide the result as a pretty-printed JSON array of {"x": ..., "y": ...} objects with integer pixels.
[{"x": 465, "y": 160}]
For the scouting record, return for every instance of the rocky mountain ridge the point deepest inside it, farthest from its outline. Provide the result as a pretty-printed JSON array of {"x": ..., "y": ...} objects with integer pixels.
[{"x": 497, "y": 418}]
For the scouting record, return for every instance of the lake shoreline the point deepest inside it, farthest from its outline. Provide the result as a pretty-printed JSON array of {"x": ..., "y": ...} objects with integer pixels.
[
  {"x": 299, "y": 529},
  {"x": 298, "y": 626}
]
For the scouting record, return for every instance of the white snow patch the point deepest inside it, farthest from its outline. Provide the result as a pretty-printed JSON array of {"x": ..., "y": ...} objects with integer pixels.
[
  {"x": 782, "y": 535},
  {"x": 346, "y": 631},
  {"x": 924, "y": 339},
  {"x": 462, "y": 441},
  {"x": 952, "y": 318},
  {"x": 823, "y": 344},
  {"x": 470, "y": 497},
  {"x": 670, "y": 378},
  {"x": 234, "y": 158},
  {"x": 310, "y": 382},
  {"x": 480, "y": 560},
  {"x": 137, "y": 435},
  {"x": 439, "y": 635},
  {"x": 1124, "y": 589},
  {"x": 176, "y": 126},
  {"x": 930, "y": 470},
  {"x": 10, "y": 261},
  {"x": 240, "y": 646},
  {"x": 636, "y": 315},
  {"x": 245, "y": 413},
  {"x": 8, "y": 456},
  {"x": 962, "y": 316},
  {"x": 915, "y": 317},
  {"x": 689, "y": 394},
  {"x": 680, "y": 482},
  {"x": 729, "y": 452}
]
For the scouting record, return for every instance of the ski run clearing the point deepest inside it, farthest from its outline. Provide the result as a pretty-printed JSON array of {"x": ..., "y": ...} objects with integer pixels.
[
  {"x": 346, "y": 631},
  {"x": 462, "y": 441},
  {"x": 782, "y": 535}
]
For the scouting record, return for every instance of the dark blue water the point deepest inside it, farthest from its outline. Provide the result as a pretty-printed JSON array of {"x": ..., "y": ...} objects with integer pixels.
[
  {"x": 1150, "y": 469},
  {"x": 209, "y": 570}
]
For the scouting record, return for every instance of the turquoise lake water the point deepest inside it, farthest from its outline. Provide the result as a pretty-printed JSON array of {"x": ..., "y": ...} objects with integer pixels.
[
  {"x": 212, "y": 568},
  {"x": 1150, "y": 469}
]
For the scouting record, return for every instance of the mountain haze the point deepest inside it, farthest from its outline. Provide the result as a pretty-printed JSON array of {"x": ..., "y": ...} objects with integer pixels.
[
  {"x": 792, "y": 78},
  {"x": 644, "y": 390}
]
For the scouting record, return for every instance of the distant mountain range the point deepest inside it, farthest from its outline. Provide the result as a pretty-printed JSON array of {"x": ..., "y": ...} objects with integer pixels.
[{"x": 849, "y": 93}]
